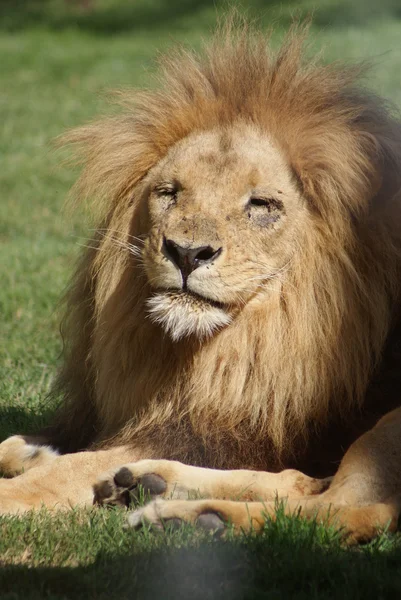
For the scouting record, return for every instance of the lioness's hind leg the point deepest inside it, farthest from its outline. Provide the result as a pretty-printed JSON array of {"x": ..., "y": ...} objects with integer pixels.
[
  {"x": 175, "y": 480},
  {"x": 19, "y": 454}
]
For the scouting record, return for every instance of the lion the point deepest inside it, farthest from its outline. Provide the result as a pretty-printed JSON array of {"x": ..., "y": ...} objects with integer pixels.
[{"x": 233, "y": 326}]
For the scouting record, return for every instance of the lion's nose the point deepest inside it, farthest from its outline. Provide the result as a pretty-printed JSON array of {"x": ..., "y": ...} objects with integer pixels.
[{"x": 188, "y": 259}]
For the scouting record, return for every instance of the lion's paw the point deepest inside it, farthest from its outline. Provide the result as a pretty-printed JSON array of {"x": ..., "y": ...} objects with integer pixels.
[
  {"x": 141, "y": 480},
  {"x": 18, "y": 454},
  {"x": 162, "y": 515}
]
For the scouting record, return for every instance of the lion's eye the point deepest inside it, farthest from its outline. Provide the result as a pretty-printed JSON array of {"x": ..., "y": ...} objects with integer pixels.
[
  {"x": 264, "y": 211},
  {"x": 166, "y": 191},
  {"x": 260, "y": 202},
  {"x": 167, "y": 195}
]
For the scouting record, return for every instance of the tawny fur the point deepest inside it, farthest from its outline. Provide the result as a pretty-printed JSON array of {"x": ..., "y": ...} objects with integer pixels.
[{"x": 280, "y": 371}]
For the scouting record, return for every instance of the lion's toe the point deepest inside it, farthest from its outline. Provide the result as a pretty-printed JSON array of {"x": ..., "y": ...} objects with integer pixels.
[
  {"x": 210, "y": 521},
  {"x": 106, "y": 493},
  {"x": 151, "y": 483}
]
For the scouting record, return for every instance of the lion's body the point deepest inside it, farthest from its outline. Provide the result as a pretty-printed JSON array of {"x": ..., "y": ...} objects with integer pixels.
[
  {"x": 303, "y": 353},
  {"x": 244, "y": 281}
]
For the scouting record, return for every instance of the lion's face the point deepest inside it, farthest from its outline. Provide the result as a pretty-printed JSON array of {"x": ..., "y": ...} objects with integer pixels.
[{"x": 224, "y": 215}]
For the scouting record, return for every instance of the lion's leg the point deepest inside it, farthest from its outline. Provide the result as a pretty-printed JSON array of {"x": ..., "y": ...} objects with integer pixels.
[
  {"x": 19, "y": 453},
  {"x": 179, "y": 481},
  {"x": 370, "y": 471},
  {"x": 359, "y": 523},
  {"x": 62, "y": 482},
  {"x": 364, "y": 496}
]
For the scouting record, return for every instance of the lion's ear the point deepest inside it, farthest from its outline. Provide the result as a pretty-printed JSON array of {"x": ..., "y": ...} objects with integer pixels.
[
  {"x": 347, "y": 169},
  {"x": 386, "y": 175},
  {"x": 332, "y": 174},
  {"x": 378, "y": 131}
]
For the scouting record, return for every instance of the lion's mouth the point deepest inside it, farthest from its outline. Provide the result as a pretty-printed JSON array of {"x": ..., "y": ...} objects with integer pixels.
[
  {"x": 190, "y": 296},
  {"x": 183, "y": 313}
]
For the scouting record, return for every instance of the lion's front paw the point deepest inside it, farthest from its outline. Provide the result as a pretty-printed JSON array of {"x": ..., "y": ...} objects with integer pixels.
[
  {"x": 172, "y": 514},
  {"x": 127, "y": 484},
  {"x": 151, "y": 478}
]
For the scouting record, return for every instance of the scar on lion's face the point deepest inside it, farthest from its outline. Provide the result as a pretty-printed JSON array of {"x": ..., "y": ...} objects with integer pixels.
[{"x": 224, "y": 215}]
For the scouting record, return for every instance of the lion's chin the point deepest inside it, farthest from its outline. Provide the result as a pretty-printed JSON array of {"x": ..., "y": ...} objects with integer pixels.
[{"x": 183, "y": 314}]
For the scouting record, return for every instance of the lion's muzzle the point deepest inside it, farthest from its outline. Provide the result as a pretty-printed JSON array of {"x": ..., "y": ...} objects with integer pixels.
[{"x": 187, "y": 258}]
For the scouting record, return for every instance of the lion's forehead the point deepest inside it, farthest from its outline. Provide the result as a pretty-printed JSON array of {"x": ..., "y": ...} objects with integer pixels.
[{"x": 240, "y": 158}]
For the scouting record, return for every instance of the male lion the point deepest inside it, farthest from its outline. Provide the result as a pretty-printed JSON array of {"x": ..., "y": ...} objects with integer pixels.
[{"x": 238, "y": 308}]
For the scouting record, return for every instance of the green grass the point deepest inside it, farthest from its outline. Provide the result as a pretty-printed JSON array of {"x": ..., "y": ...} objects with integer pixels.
[
  {"x": 57, "y": 62},
  {"x": 88, "y": 556}
]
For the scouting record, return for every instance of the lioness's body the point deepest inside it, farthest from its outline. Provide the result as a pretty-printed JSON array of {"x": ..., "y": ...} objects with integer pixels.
[{"x": 239, "y": 306}]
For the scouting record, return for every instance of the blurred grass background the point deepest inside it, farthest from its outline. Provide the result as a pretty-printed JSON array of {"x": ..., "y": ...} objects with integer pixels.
[{"x": 58, "y": 58}]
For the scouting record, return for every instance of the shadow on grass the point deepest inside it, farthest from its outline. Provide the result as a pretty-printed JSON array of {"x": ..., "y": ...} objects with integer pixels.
[
  {"x": 253, "y": 568},
  {"x": 110, "y": 17},
  {"x": 23, "y": 420}
]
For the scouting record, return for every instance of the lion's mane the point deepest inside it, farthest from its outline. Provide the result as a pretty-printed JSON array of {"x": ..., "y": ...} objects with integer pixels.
[{"x": 246, "y": 394}]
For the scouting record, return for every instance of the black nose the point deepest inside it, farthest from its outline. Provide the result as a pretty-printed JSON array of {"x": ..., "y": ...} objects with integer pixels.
[{"x": 188, "y": 259}]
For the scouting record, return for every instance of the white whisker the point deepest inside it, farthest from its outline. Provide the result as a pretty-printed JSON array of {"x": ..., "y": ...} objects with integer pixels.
[
  {"x": 104, "y": 231},
  {"x": 87, "y": 246}
]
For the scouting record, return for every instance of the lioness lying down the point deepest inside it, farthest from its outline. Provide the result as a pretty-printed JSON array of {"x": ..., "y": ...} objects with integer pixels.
[{"x": 237, "y": 313}]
